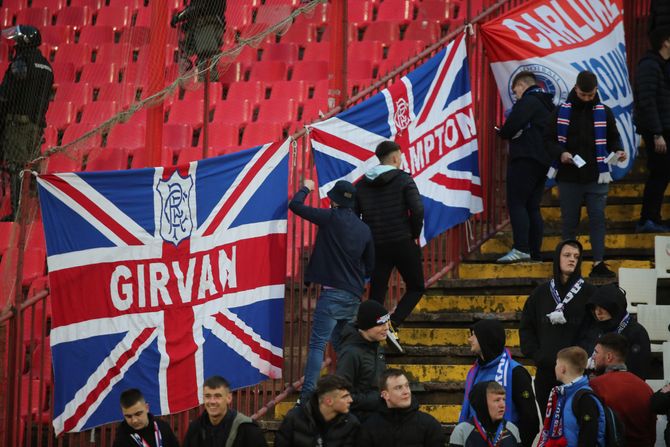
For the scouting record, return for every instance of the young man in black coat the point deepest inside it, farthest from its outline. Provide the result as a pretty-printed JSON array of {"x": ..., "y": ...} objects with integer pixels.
[
  {"x": 608, "y": 306},
  {"x": 399, "y": 422},
  {"x": 652, "y": 118},
  {"x": 139, "y": 427},
  {"x": 527, "y": 166},
  {"x": 219, "y": 425},
  {"x": 323, "y": 420},
  {"x": 660, "y": 404},
  {"x": 553, "y": 316},
  {"x": 389, "y": 202}
]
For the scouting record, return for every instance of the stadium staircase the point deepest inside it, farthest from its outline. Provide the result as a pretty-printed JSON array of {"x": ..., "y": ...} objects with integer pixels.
[{"x": 435, "y": 335}]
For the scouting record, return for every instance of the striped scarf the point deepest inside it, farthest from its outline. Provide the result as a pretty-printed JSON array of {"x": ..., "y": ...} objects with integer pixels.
[{"x": 600, "y": 129}]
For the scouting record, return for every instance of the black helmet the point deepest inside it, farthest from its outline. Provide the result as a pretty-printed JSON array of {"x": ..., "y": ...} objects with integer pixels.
[{"x": 25, "y": 36}]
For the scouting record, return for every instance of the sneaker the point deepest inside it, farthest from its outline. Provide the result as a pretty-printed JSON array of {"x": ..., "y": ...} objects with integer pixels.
[
  {"x": 514, "y": 255},
  {"x": 393, "y": 340},
  {"x": 602, "y": 271},
  {"x": 649, "y": 226}
]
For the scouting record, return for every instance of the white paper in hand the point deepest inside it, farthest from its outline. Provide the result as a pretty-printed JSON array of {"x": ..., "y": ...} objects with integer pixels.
[{"x": 578, "y": 161}]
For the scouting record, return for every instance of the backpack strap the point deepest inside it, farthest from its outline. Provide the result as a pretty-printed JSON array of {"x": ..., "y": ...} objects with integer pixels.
[{"x": 239, "y": 420}]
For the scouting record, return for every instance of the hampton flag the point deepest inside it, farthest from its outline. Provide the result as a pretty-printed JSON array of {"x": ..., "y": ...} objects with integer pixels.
[
  {"x": 557, "y": 40},
  {"x": 161, "y": 277},
  {"x": 429, "y": 112}
]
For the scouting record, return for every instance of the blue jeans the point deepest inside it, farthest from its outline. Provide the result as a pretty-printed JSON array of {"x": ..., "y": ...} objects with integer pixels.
[
  {"x": 334, "y": 309},
  {"x": 594, "y": 195}
]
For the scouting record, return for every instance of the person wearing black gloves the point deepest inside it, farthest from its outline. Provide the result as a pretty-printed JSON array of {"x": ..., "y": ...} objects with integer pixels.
[
  {"x": 608, "y": 306},
  {"x": 527, "y": 166},
  {"x": 494, "y": 362},
  {"x": 24, "y": 100}
]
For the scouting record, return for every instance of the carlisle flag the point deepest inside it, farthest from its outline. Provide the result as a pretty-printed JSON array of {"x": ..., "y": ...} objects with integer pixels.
[
  {"x": 556, "y": 40},
  {"x": 429, "y": 113},
  {"x": 162, "y": 277}
]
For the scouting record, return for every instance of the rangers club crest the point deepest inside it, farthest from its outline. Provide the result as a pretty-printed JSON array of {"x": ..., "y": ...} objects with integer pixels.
[{"x": 176, "y": 220}]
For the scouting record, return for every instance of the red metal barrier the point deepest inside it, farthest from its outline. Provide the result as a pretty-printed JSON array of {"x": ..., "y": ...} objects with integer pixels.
[{"x": 26, "y": 398}]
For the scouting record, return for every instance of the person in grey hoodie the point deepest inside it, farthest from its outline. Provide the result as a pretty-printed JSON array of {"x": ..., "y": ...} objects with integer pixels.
[{"x": 389, "y": 202}]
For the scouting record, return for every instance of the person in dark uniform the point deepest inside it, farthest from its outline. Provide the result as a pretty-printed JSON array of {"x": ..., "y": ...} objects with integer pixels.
[
  {"x": 24, "y": 99},
  {"x": 203, "y": 23}
]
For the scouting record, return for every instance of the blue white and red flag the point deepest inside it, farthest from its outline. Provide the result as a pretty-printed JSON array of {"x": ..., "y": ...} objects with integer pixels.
[
  {"x": 162, "y": 277},
  {"x": 429, "y": 112}
]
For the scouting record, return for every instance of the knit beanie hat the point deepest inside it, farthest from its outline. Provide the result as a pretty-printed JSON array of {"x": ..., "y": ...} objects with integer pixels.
[{"x": 371, "y": 314}]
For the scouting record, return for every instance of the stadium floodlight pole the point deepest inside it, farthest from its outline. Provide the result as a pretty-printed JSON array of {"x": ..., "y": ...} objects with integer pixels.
[
  {"x": 156, "y": 67},
  {"x": 339, "y": 40}
]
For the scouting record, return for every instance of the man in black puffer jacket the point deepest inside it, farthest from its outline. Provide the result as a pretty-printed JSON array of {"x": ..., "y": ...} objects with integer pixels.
[
  {"x": 323, "y": 420},
  {"x": 527, "y": 167},
  {"x": 389, "y": 202},
  {"x": 659, "y": 14},
  {"x": 652, "y": 117},
  {"x": 399, "y": 422}
]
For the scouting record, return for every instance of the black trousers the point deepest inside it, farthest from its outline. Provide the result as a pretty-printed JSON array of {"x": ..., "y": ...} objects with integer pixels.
[
  {"x": 658, "y": 166},
  {"x": 405, "y": 255},
  {"x": 545, "y": 380},
  {"x": 525, "y": 185}
]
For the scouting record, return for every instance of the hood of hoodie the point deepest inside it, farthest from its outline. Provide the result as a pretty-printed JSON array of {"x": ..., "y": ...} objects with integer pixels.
[
  {"x": 557, "y": 266},
  {"x": 479, "y": 404},
  {"x": 399, "y": 414},
  {"x": 613, "y": 300},
  {"x": 578, "y": 103},
  {"x": 491, "y": 338},
  {"x": 546, "y": 98},
  {"x": 380, "y": 175}
]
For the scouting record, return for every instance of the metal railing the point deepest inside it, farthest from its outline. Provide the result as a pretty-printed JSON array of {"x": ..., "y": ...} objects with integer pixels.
[{"x": 26, "y": 401}]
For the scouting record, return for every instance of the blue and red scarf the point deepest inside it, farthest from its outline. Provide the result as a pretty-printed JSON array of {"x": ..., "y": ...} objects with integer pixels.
[
  {"x": 600, "y": 129},
  {"x": 552, "y": 429}
]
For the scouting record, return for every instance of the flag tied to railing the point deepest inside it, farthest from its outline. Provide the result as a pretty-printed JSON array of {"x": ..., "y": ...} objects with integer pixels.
[
  {"x": 557, "y": 40},
  {"x": 429, "y": 113},
  {"x": 162, "y": 277}
]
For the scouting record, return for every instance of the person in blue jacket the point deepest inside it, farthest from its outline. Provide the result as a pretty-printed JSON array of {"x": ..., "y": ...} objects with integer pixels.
[{"x": 342, "y": 258}]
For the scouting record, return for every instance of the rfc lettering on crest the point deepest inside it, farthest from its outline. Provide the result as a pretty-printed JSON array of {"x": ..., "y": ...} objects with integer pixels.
[{"x": 176, "y": 221}]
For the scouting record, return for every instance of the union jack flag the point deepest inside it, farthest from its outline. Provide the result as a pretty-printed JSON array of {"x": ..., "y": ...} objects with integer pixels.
[
  {"x": 429, "y": 112},
  {"x": 161, "y": 277}
]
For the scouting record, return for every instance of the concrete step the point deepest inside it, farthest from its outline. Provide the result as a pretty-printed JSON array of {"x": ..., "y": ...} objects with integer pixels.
[
  {"x": 439, "y": 373},
  {"x": 619, "y": 190},
  {"x": 613, "y": 213},
  {"x": 471, "y": 303},
  {"x": 502, "y": 243},
  {"x": 472, "y": 270},
  {"x": 412, "y": 336}
]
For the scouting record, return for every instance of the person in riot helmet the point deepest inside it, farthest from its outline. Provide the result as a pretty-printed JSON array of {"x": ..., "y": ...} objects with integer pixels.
[{"x": 24, "y": 99}]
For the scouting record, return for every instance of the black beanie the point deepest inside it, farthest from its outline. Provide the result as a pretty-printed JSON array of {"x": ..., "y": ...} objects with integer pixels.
[{"x": 370, "y": 314}]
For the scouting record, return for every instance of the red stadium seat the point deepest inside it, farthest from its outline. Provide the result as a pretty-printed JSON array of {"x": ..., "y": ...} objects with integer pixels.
[
  {"x": 256, "y": 134},
  {"x": 15, "y": 4},
  {"x": 352, "y": 34},
  {"x": 77, "y": 54},
  {"x": 368, "y": 50},
  {"x": 6, "y": 17},
  {"x": 251, "y": 90},
  {"x": 97, "y": 35},
  {"x": 318, "y": 16},
  {"x": 425, "y": 30},
  {"x": 383, "y": 31},
  {"x": 438, "y": 10},
  {"x": 271, "y": 14},
  {"x": 360, "y": 13},
  {"x": 238, "y": 15},
  {"x": 126, "y": 136},
  {"x": 230, "y": 73},
  {"x": 6, "y": 236},
  {"x": 60, "y": 114},
  {"x": 298, "y": 90},
  {"x": 320, "y": 90},
  {"x": 76, "y": 130},
  {"x": 93, "y": 4},
  {"x": 61, "y": 162},
  {"x": 120, "y": 55},
  {"x": 287, "y": 52},
  {"x": 187, "y": 112},
  {"x": 139, "y": 118},
  {"x": 223, "y": 135},
  {"x": 239, "y": 111},
  {"x": 123, "y": 94},
  {"x": 64, "y": 72},
  {"x": 300, "y": 33},
  {"x": 117, "y": 17},
  {"x": 215, "y": 94},
  {"x": 403, "y": 50},
  {"x": 269, "y": 71},
  {"x": 99, "y": 111},
  {"x": 50, "y": 137},
  {"x": 38, "y": 17},
  {"x": 188, "y": 155},
  {"x": 57, "y": 34},
  {"x": 35, "y": 237},
  {"x": 52, "y": 4},
  {"x": 77, "y": 16},
  {"x": 141, "y": 155},
  {"x": 399, "y": 11},
  {"x": 316, "y": 51},
  {"x": 132, "y": 4},
  {"x": 314, "y": 108},
  {"x": 177, "y": 135},
  {"x": 34, "y": 264},
  {"x": 136, "y": 36},
  {"x": 360, "y": 69},
  {"x": 108, "y": 159},
  {"x": 311, "y": 71},
  {"x": 279, "y": 111},
  {"x": 99, "y": 74}
]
